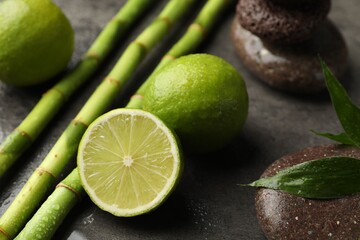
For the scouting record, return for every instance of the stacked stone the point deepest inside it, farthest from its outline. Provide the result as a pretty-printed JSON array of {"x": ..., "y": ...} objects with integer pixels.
[{"x": 280, "y": 42}]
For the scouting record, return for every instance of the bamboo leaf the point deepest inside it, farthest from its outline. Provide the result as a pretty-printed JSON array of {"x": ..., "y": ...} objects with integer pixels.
[
  {"x": 341, "y": 137},
  {"x": 324, "y": 178},
  {"x": 348, "y": 114}
]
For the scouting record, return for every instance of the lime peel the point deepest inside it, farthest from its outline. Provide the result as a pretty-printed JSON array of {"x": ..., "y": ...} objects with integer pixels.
[
  {"x": 117, "y": 168},
  {"x": 202, "y": 97},
  {"x": 37, "y": 41}
]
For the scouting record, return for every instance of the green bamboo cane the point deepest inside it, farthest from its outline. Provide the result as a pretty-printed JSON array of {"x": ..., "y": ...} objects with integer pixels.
[
  {"x": 64, "y": 149},
  {"x": 51, "y": 102},
  {"x": 69, "y": 191},
  {"x": 195, "y": 34},
  {"x": 58, "y": 205}
]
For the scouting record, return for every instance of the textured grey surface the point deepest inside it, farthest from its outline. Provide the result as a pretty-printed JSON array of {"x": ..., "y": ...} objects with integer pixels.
[{"x": 208, "y": 204}]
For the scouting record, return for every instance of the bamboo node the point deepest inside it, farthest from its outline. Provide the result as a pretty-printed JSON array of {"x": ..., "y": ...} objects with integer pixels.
[
  {"x": 169, "y": 57},
  {"x": 76, "y": 193},
  {"x": 198, "y": 27},
  {"x": 24, "y": 134},
  {"x": 93, "y": 55},
  {"x": 137, "y": 96},
  {"x": 63, "y": 96},
  {"x": 40, "y": 170},
  {"x": 143, "y": 46},
  {"x": 113, "y": 81},
  {"x": 77, "y": 121},
  {"x": 118, "y": 21},
  {"x": 166, "y": 20},
  {"x": 4, "y": 233}
]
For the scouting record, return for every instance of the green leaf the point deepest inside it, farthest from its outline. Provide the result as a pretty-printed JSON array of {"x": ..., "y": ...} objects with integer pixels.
[
  {"x": 348, "y": 114},
  {"x": 341, "y": 138},
  {"x": 324, "y": 178}
]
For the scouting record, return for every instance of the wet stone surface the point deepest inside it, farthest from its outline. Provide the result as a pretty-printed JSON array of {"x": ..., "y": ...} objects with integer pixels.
[
  {"x": 208, "y": 203},
  {"x": 285, "y": 216}
]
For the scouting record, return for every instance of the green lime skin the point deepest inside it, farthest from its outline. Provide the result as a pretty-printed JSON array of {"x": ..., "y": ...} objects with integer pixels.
[
  {"x": 202, "y": 97},
  {"x": 36, "y": 40}
]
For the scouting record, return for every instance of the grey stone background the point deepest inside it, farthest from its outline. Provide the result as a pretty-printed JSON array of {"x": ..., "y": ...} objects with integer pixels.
[{"x": 208, "y": 203}]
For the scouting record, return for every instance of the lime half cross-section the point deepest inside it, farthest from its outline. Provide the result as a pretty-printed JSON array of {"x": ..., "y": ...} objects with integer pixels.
[{"x": 129, "y": 162}]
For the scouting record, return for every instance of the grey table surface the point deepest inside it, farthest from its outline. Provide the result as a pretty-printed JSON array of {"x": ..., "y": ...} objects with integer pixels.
[{"x": 208, "y": 203}]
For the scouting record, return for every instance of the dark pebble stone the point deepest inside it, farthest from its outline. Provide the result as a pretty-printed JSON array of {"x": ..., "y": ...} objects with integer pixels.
[
  {"x": 294, "y": 68},
  {"x": 284, "y": 216},
  {"x": 276, "y": 23},
  {"x": 293, "y": 3}
]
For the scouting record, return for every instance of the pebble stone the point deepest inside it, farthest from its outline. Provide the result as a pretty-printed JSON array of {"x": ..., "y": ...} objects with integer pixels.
[
  {"x": 294, "y": 68},
  {"x": 284, "y": 216},
  {"x": 275, "y": 23},
  {"x": 293, "y": 3}
]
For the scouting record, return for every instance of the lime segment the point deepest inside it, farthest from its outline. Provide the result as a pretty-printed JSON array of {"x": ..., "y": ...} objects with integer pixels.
[{"x": 129, "y": 162}]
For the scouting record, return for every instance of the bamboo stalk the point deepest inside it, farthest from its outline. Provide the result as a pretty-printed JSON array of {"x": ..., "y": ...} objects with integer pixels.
[
  {"x": 64, "y": 149},
  {"x": 188, "y": 43},
  {"x": 191, "y": 40},
  {"x": 51, "y": 102},
  {"x": 59, "y": 204}
]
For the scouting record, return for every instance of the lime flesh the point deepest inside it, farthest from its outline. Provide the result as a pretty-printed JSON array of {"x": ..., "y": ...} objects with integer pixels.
[{"x": 129, "y": 162}]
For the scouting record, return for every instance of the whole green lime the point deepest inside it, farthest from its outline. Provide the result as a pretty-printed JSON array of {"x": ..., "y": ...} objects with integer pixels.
[
  {"x": 36, "y": 41},
  {"x": 202, "y": 97}
]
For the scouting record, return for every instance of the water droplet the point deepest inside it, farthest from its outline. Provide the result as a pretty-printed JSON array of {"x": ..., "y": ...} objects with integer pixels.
[
  {"x": 89, "y": 219},
  {"x": 7, "y": 200}
]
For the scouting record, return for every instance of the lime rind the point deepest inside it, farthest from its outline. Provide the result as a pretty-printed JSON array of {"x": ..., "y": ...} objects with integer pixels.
[
  {"x": 37, "y": 41},
  {"x": 110, "y": 192},
  {"x": 202, "y": 97}
]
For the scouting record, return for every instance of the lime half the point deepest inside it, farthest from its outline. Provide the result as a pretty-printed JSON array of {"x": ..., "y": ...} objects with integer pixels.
[{"x": 129, "y": 162}]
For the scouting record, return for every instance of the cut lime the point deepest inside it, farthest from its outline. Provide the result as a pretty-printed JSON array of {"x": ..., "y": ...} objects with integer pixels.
[{"x": 129, "y": 162}]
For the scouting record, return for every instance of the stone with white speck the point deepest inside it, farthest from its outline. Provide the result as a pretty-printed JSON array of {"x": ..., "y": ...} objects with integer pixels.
[{"x": 322, "y": 219}]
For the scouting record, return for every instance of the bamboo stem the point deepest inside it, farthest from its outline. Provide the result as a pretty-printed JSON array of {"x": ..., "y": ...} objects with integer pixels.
[
  {"x": 59, "y": 203},
  {"x": 64, "y": 149},
  {"x": 51, "y": 102},
  {"x": 191, "y": 39}
]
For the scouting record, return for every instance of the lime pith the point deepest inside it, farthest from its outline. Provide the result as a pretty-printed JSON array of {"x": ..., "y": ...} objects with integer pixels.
[{"x": 129, "y": 162}]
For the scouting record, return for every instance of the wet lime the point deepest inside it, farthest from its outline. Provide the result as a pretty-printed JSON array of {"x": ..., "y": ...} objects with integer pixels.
[
  {"x": 36, "y": 41},
  {"x": 202, "y": 97}
]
